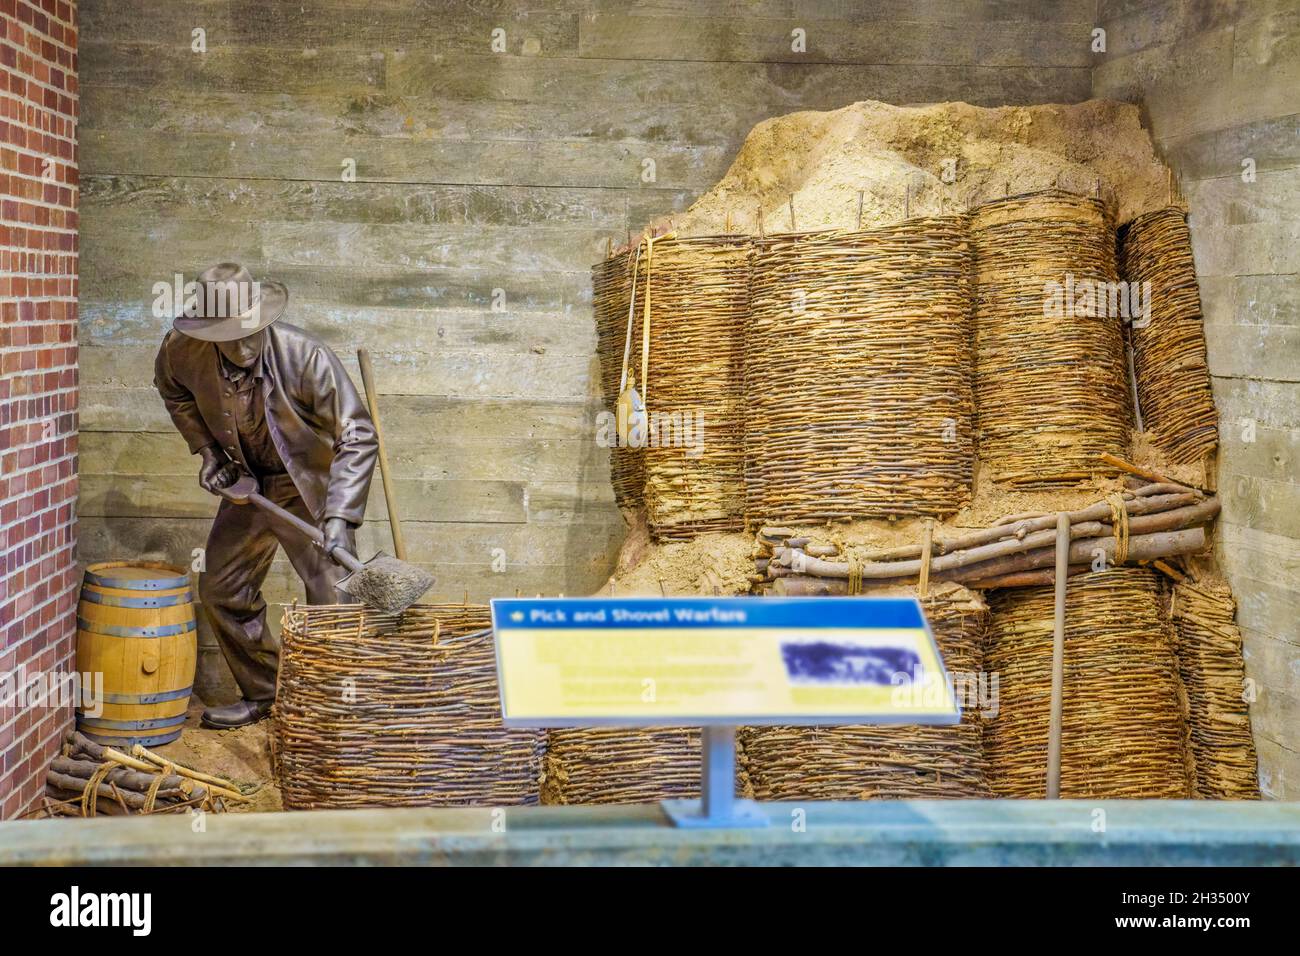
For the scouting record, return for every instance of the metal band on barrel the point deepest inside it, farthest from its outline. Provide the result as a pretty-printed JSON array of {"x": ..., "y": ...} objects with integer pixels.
[
  {"x": 157, "y": 698},
  {"x": 161, "y": 600},
  {"x": 137, "y": 584},
  {"x": 166, "y": 630}
]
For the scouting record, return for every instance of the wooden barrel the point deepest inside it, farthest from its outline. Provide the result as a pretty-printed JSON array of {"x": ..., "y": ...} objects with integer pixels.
[{"x": 136, "y": 626}]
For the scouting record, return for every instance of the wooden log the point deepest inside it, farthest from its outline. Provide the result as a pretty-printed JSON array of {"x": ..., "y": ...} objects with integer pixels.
[
  {"x": 1020, "y": 570},
  {"x": 894, "y": 569},
  {"x": 1164, "y": 488},
  {"x": 1145, "y": 547},
  {"x": 1025, "y": 525},
  {"x": 123, "y": 777},
  {"x": 133, "y": 800},
  {"x": 810, "y": 587},
  {"x": 1201, "y": 513}
]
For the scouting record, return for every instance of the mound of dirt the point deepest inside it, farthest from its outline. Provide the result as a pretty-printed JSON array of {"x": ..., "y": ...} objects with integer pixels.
[{"x": 927, "y": 160}]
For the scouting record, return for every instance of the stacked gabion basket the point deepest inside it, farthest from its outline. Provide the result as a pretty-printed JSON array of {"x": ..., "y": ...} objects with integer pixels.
[
  {"x": 1123, "y": 732},
  {"x": 891, "y": 762},
  {"x": 1173, "y": 379},
  {"x": 1213, "y": 672},
  {"x": 858, "y": 397},
  {"x": 382, "y": 710},
  {"x": 1051, "y": 390},
  {"x": 612, "y": 765},
  {"x": 698, "y": 291}
]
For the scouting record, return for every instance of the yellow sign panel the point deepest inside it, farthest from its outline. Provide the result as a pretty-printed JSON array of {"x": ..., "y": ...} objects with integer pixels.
[{"x": 721, "y": 660}]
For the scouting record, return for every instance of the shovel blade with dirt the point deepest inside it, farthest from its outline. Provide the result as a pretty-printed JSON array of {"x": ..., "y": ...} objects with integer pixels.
[{"x": 383, "y": 582}]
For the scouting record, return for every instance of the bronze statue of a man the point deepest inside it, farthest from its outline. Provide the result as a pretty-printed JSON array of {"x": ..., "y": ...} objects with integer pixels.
[{"x": 250, "y": 393}]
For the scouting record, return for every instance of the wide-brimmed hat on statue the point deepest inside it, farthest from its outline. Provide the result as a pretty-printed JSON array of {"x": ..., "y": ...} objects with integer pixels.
[{"x": 228, "y": 304}]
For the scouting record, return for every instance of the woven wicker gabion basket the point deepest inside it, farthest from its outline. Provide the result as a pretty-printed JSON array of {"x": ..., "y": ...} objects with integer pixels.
[
  {"x": 887, "y": 762},
  {"x": 694, "y": 461},
  {"x": 1213, "y": 672},
  {"x": 611, "y": 295},
  {"x": 1123, "y": 728},
  {"x": 858, "y": 373},
  {"x": 380, "y": 710},
  {"x": 616, "y": 765},
  {"x": 1173, "y": 379},
  {"x": 1051, "y": 391}
]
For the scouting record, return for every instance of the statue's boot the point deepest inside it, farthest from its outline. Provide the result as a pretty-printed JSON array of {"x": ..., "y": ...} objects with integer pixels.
[{"x": 239, "y": 714}]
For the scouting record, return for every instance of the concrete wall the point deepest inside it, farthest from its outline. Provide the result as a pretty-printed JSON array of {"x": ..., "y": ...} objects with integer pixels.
[
  {"x": 476, "y": 171},
  {"x": 1220, "y": 84}
]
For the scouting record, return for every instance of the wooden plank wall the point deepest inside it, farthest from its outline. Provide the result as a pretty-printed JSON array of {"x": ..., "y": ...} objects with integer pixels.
[
  {"x": 1220, "y": 84},
  {"x": 475, "y": 171}
]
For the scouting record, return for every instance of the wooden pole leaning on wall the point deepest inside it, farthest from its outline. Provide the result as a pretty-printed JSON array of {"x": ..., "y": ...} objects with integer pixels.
[
  {"x": 390, "y": 493},
  {"x": 1058, "y": 657}
]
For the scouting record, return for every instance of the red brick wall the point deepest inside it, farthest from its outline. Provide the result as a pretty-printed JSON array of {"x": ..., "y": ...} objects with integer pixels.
[{"x": 38, "y": 380}]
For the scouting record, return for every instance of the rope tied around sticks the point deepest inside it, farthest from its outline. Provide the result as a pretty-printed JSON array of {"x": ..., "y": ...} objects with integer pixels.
[
  {"x": 151, "y": 796},
  {"x": 90, "y": 793},
  {"x": 855, "y": 576},
  {"x": 1119, "y": 521}
]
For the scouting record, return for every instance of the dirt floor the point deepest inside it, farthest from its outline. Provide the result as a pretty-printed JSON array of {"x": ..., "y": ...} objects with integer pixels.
[{"x": 242, "y": 756}]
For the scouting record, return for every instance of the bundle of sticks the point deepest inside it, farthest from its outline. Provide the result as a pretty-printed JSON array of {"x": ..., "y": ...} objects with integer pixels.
[
  {"x": 88, "y": 779},
  {"x": 1139, "y": 525}
]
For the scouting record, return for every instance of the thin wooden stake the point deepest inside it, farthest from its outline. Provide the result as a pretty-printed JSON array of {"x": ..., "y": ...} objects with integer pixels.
[
  {"x": 860, "y": 197},
  {"x": 792, "y": 228},
  {"x": 1133, "y": 383},
  {"x": 927, "y": 547},
  {"x": 1058, "y": 657}
]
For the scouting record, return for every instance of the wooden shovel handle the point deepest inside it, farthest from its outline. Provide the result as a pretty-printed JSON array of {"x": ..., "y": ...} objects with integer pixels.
[
  {"x": 385, "y": 472},
  {"x": 245, "y": 490}
]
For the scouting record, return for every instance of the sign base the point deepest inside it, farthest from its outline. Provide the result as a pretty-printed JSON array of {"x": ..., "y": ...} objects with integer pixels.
[
  {"x": 690, "y": 814},
  {"x": 717, "y": 807}
]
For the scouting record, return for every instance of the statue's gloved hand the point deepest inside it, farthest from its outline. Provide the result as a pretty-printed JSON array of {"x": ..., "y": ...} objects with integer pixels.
[
  {"x": 216, "y": 471},
  {"x": 339, "y": 534}
]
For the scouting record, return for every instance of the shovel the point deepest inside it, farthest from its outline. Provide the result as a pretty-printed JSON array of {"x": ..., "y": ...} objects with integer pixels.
[{"x": 383, "y": 582}]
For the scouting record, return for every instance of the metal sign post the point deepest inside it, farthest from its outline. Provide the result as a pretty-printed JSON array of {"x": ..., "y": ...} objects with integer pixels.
[{"x": 718, "y": 806}]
